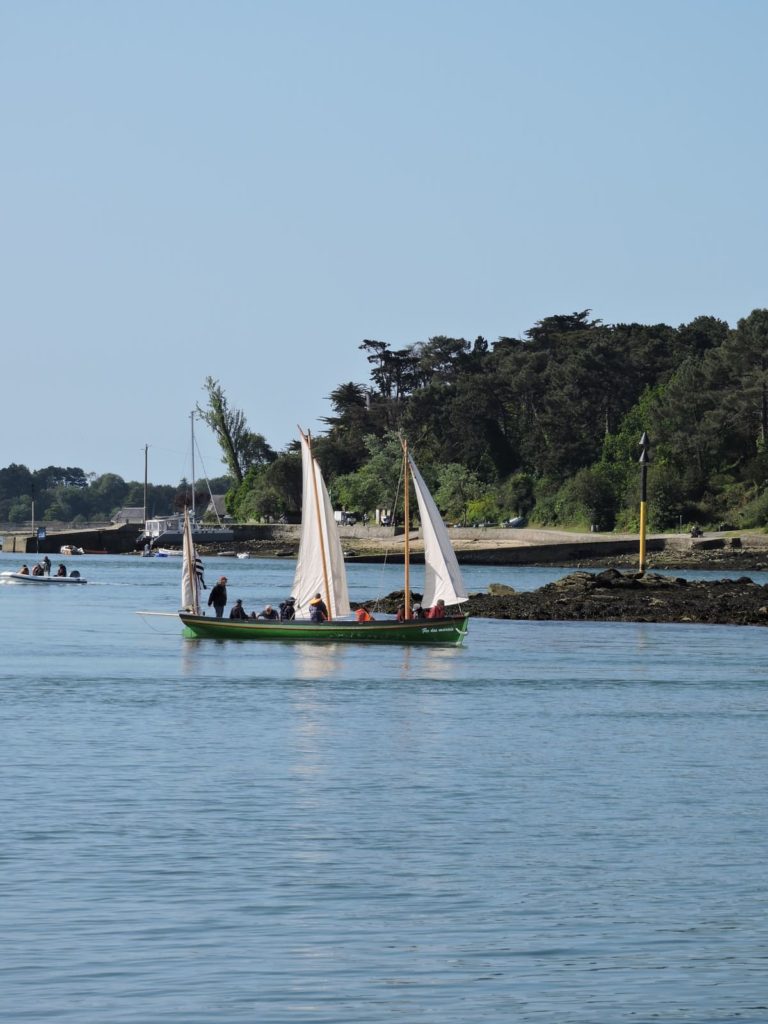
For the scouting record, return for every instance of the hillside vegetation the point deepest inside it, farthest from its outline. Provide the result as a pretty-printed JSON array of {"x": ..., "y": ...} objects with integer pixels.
[{"x": 547, "y": 426}]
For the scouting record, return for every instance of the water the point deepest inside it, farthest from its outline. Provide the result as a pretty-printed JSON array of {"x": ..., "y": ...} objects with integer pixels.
[{"x": 559, "y": 822}]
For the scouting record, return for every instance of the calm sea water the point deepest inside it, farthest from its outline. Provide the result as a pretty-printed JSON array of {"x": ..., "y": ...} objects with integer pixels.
[{"x": 559, "y": 822}]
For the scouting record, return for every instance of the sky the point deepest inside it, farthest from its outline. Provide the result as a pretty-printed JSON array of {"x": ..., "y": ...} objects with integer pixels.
[{"x": 248, "y": 190}]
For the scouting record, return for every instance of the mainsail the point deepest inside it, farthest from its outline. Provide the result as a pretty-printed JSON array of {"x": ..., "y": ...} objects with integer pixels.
[
  {"x": 320, "y": 567},
  {"x": 190, "y": 579},
  {"x": 442, "y": 576}
]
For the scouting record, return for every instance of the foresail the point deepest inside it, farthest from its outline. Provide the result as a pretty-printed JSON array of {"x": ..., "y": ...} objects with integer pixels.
[
  {"x": 317, "y": 522},
  {"x": 190, "y": 583},
  {"x": 442, "y": 576}
]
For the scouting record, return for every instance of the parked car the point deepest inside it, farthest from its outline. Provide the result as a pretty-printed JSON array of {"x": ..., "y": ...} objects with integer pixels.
[{"x": 515, "y": 523}]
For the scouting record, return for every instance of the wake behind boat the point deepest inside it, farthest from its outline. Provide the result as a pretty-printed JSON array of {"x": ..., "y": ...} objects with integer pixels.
[{"x": 320, "y": 569}]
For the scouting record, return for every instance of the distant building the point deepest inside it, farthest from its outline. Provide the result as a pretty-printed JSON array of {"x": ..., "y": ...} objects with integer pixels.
[
  {"x": 129, "y": 515},
  {"x": 217, "y": 508}
]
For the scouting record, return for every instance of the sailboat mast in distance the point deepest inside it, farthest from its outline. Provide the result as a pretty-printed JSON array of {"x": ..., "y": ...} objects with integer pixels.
[
  {"x": 407, "y": 532},
  {"x": 192, "y": 423}
]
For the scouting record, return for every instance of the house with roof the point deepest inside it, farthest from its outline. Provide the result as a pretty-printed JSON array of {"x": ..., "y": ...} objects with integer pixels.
[{"x": 129, "y": 515}]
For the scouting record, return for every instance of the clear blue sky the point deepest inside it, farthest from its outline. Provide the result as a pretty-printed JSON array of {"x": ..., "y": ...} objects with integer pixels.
[{"x": 250, "y": 189}]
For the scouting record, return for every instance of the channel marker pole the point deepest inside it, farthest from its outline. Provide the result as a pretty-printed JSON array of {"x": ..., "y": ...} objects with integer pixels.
[{"x": 643, "y": 460}]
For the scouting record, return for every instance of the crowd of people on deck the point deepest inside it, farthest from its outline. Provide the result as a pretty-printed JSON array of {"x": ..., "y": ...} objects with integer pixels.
[
  {"x": 318, "y": 610},
  {"x": 217, "y": 599}
]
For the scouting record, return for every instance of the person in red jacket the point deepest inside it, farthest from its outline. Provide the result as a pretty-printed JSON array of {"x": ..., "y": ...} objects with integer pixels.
[{"x": 437, "y": 611}]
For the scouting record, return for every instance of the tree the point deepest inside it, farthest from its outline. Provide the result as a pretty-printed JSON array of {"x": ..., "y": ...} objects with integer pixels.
[
  {"x": 458, "y": 487},
  {"x": 15, "y": 480},
  {"x": 241, "y": 449}
]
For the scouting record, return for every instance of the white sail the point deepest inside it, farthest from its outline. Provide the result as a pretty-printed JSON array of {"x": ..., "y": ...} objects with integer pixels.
[
  {"x": 190, "y": 582},
  {"x": 442, "y": 576},
  {"x": 320, "y": 566}
]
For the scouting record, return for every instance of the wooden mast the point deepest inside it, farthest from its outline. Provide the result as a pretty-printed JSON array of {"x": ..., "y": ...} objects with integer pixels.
[
  {"x": 407, "y": 527},
  {"x": 308, "y": 438}
]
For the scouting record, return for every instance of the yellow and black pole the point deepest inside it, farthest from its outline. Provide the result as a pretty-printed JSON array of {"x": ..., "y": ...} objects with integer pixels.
[{"x": 644, "y": 459}]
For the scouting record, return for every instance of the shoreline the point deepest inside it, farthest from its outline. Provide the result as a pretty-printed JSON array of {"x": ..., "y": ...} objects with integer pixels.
[
  {"x": 613, "y": 596},
  {"x": 745, "y": 552}
]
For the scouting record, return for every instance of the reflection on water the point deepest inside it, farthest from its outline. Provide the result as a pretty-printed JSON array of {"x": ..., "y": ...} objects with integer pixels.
[{"x": 319, "y": 660}]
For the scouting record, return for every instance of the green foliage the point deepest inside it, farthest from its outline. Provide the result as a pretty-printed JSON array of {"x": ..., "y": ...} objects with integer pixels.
[
  {"x": 458, "y": 488},
  {"x": 517, "y": 495},
  {"x": 241, "y": 449},
  {"x": 377, "y": 483},
  {"x": 588, "y": 498},
  {"x": 545, "y": 425},
  {"x": 483, "y": 511},
  {"x": 268, "y": 491}
]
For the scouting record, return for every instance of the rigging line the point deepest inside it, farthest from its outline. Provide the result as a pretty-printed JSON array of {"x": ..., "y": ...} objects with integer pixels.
[{"x": 208, "y": 484}]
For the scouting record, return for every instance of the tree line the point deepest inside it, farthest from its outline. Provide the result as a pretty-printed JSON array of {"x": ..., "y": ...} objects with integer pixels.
[
  {"x": 68, "y": 494},
  {"x": 544, "y": 426}
]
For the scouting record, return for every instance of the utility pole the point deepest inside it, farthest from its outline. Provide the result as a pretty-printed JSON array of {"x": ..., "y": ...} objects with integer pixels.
[
  {"x": 146, "y": 456},
  {"x": 644, "y": 459}
]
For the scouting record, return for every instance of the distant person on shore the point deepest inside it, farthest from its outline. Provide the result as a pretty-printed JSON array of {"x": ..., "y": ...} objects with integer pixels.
[
  {"x": 218, "y": 597},
  {"x": 363, "y": 615},
  {"x": 62, "y": 570},
  {"x": 269, "y": 613},
  {"x": 317, "y": 609},
  {"x": 24, "y": 570},
  {"x": 437, "y": 611},
  {"x": 47, "y": 566},
  {"x": 288, "y": 610},
  {"x": 238, "y": 612}
]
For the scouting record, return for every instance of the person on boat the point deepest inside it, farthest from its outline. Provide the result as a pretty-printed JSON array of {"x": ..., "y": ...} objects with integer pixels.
[
  {"x": 400, "y": 614},
  {"x": 62, "y": 570},
  {"x": 418, "y": 612},
  {"x": 37, "y": 570},
  {"x": 317, "y": 609},
  {"x": 268, "y": 613},
  {"x": 218, "y": 597},
  {"x": 47, "y": 566},
  {"x": 238, "y": 612},
  {"x": 437, "y": 611},
  {"x": 363, "y": 615},
  {"x": 288, "y": 610},
  {"x": 24, "y": 570}
]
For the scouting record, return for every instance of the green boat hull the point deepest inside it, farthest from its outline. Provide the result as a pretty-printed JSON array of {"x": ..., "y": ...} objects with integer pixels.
[{"x": 449, "y": 631}]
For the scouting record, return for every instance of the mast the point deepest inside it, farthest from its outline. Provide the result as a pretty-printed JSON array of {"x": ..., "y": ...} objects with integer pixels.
[
  {"x": 192, "y": 423},
  {"x": 146, "y": 450},
  {"x": 406, "y": 536},
  {"x": 316, "y": 496}
]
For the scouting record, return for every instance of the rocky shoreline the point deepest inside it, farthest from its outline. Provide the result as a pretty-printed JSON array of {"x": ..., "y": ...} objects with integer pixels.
[{"x": 613, "y": 596}]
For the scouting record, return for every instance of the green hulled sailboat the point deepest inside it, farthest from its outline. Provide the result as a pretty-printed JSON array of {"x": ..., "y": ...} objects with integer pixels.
[{"x": 320, "y": 569}]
